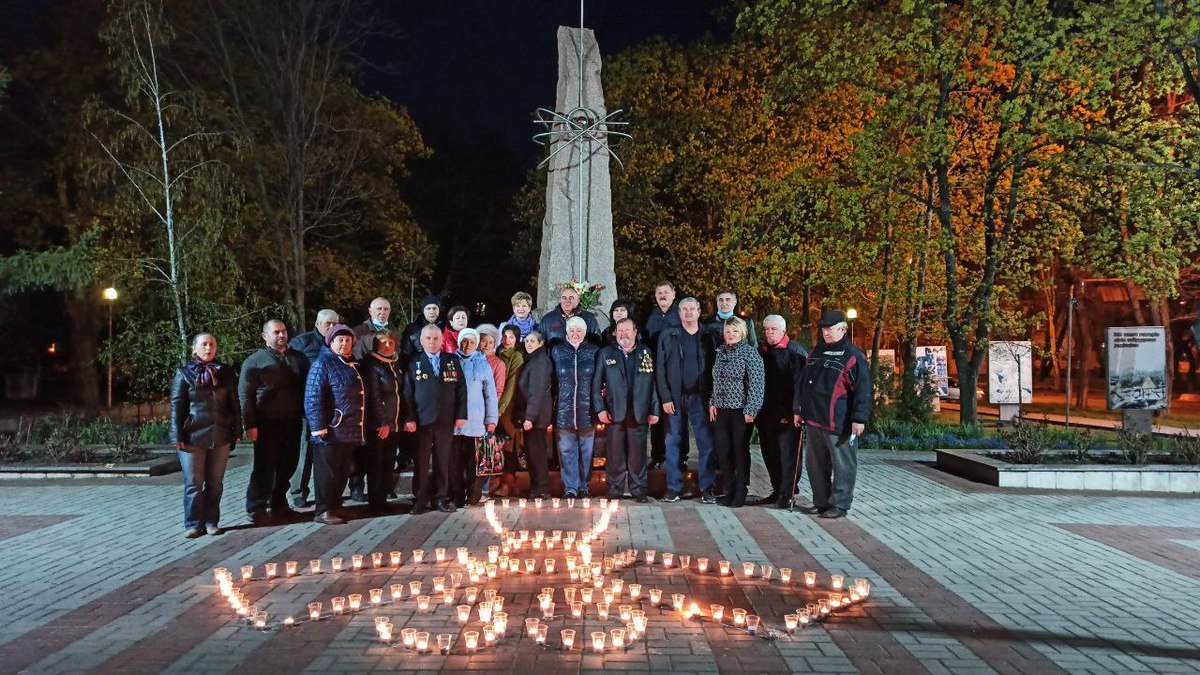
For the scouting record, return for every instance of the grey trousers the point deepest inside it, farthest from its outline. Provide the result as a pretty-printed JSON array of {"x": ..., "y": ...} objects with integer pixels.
[{"x": 832, "y": 461}]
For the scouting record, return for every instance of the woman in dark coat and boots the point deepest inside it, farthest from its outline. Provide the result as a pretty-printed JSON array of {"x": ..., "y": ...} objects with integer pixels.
[
  {"x": 535, "y": 411},
  {"x": 206, "y": 421},
  {"x": 384, "y": 376}
]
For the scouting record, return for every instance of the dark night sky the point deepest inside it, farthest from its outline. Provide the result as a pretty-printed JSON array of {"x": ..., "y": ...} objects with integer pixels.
[{"x": 475, "y": 67}]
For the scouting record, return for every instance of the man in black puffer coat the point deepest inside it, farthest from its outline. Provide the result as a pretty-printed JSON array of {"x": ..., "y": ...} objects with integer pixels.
[{"x": 335, "y": 401}]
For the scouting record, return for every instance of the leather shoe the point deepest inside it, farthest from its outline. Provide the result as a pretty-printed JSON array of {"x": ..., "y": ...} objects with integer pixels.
[
  {"x": 299, "y": 502},
  {"x": 419, "y": 508},
  {"x": 284, "y": 513},
  {"x": 329, "y": 518},
  {"x": 192, "y": 532},
  {"x": 445, "y": 506},
  {"x": 213, "y": 529},
  {"x": 641, "y": 499},
  {"x": 260, "y": 518},
  {"x": 809, "y": 509},
  {"x": 763, "y": 501},
  {"x": 833, "y": 512}
]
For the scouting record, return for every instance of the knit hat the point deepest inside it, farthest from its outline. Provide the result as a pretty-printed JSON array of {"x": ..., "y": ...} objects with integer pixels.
[
  {"x": 468, "y": 333},
  {"x": 336, "y": 330},
  {"x": 431, "y": 300},
  {"x": 489, "y": 329}
]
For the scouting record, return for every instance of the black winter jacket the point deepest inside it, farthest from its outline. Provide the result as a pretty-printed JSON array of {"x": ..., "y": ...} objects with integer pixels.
[
  {"x": 834, "y": 389},
  {"x": 783, "y": 366},
  {"x": 335, "y": 399},
  {"x": 612, "y": 389},
  {"x": 385, "y": 392},
  {"x": 205, "y": 416},
  {"x": 271, "y": 387},
  {"x": 574, "y": 368},
  {"x": 669, "y": 356},
  {"x": 553, "y": 326},
  {"x": 434, "y": 399},
  {"x": 534, "y": 401}
]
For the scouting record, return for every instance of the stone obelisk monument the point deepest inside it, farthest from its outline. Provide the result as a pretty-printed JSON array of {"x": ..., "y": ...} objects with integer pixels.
[{"x": 577, "y": 238}]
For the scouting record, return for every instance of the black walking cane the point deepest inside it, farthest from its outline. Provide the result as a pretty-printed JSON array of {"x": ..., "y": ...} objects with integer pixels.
[{"x": 796, "y": 472}]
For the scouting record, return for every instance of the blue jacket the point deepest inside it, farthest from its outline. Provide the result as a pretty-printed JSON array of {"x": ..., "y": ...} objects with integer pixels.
[
  {"x": 574, "y": 369},
  {"x": 335, "y": 398},
  {"x": 481, "y": 395},
  {"x": 553, "y": 325}
]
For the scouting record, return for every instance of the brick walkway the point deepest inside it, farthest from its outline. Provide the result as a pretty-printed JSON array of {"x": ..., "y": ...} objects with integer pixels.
[{"x": 965, "y": 579}]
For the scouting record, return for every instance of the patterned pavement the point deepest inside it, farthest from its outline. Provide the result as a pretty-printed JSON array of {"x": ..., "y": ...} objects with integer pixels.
[{"x": 95, "y": 577}]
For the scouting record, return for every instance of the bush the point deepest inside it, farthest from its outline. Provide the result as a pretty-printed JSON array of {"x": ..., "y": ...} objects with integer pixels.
[
  {"x": 1028, "y": 441},
  {"x": 1187, "y": 449},
  {"x": 1135, "y": 446},
  {"x": 1083, "y": 441},
  {"x": 926, "y": 437}
]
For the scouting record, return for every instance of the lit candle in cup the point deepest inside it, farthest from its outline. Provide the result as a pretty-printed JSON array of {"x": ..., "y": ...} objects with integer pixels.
[
  {"x": 376, "y": 559},
  {"x": 549, "y": 565},
  {"x": 635, "y": 591},
  {"x": 314, "y": 566},
  {"x": 394, "y": 558},
  {"x": 471, "y": 638},
  {"x": 464, "y": 613},
  {"x": 355, "y": 602},
  {"x": 356, "y": 562},
  {"x": 748, "y": 569},
  {"x": 540, "y": 635},
  {"x": 598, "y": 641},
  {"x": 785, "y": 575},
  {"x": 767, "y": 571},
  {"x": 289, "y": 622},
  {"x": 414, "y": 588},
  {"x": 685, "y": 561},
  {"x": 837, "y": 581},
  {"x": 422, "y": 641},
  {"x": 439, "y": 584},
  {"x": 639, "y": 620},
  {"x": 724, "y": 567},
  {"x": 677, "y": 601},
  {"x": 810, "y": 579},
  {"x": 531, "y": 626},
  {"x": 489, "y": 636},
  {"x": 568, "y": 638},
  {"x": 397, "y": 591},
  {"x": 470, "y": 594},
  {"x": 739, "y": 617},
  {"x": 336, "y": 564},
  {"x": 260, "y": 620},
  {"x": 668, "y": 559},
  {"x": 408, "y": 637},
  {"x": 339, "y": 603},
  {"x": 290, "y": 567},
  {"x": 485, "y": 611},
  {"x": 602, "y": 610},
  {"x": 463, "y": 554},
  {"x": 537, "y": 502},
  {"x": 655, "y": 596},
  {"x": 702, "y": 565},
  {"x": 522, "y": 502},
  {"x": 272, "y": 569},
  {"x": 247, "y": 572},
  {"x": 618, "y": 638},
  {"x": 650, "y": 555},
  {"x": 444, "y": 640},
  {"x": 423, "y": 603},
  {"x": 577, "y": 609},
  {"x": 556, "y": 502},
  {"x": 418, "y": 556},
  {"x": 439, "y": 554},
  {"x": 314, "y": 611},
  {"x": 547, "y": 609},
  {"x": 376, "y": 596}
]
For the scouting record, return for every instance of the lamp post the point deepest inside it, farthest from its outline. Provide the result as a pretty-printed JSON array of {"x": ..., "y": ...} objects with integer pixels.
[
  {"x": 851, "y": 315},
  {"x": 110, "y": 295}
]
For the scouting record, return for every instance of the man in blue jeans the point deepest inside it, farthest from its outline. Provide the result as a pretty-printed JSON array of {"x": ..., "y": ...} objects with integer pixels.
[
  {"x": 574, "y": 366},
  {"x": 685, "y": 358}
]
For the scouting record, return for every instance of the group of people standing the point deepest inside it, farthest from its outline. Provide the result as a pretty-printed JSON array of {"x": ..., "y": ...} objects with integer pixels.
[{"x": 345, "y": 405}]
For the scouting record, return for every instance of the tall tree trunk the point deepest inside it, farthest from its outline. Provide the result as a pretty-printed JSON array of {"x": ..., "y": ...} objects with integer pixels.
[{"x": 83, "y": 346}]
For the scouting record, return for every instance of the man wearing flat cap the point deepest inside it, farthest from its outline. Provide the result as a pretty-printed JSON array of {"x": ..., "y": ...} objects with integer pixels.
[{"x": 833, "y": 402}]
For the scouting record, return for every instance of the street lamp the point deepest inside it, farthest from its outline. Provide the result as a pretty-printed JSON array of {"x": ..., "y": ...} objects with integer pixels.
[
  {"x": 110, "y": 295},
  {"x": 851, "y": 315}
]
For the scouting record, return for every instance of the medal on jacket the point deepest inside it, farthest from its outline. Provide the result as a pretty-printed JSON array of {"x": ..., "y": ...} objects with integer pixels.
[
  {"x": 420, "y": 375},
  {"x": 647, "y": 363},
  {"x": 448, "y": 373}
]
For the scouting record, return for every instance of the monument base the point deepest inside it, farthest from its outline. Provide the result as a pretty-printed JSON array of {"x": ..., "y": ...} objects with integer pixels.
[
  {"x": 1009, "y": 411},
  {"x": 1137, "y": 421}
]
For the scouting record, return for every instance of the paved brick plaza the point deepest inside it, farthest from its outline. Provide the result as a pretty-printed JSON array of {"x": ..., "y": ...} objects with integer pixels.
[{"x": 966, "y": 579}]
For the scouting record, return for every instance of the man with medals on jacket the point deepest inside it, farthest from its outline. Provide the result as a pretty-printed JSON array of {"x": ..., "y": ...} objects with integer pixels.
[
  {"x": 626, "y": 399},
  {"x": 435, "y": 404}
]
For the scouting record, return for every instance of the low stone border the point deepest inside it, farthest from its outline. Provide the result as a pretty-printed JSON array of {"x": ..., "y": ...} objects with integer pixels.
[
  {"x": 1147, "y": 478},
  {"x": 157, "y": 466}
]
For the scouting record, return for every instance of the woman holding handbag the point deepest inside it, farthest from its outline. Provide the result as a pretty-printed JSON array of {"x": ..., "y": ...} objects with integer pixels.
[{"x": 482, "y": 416}]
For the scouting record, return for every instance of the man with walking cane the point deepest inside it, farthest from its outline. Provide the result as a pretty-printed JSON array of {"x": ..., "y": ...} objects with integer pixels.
[
  {"x": 833, "y": 401},
  {"x": 779, "y": 438}
]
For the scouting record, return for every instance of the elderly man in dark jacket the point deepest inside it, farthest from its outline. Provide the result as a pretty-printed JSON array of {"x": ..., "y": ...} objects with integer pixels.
[
  {"x": 554, "y": 324},
  {"x": 574, "y": 366},
  {"x": 271, "y": 392},
  {"x": 833, "y": 401},
  {"x": 310, "y": 344},
  {"x": 779, "y": 439},
  {"x": 626, "y": 399},
  {"x": 431, "y": 315},
  {"x": 435, "y": 404},
  {"x": 685, "y": 357},
  {"x": 335, "y": 401}
]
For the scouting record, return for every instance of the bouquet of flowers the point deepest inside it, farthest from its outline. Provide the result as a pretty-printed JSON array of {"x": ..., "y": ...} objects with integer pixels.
[{"x": 589, "y": 294}]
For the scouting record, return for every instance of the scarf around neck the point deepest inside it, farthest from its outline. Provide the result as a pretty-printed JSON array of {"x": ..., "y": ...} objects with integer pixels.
[{"x": 206, "y": 372}]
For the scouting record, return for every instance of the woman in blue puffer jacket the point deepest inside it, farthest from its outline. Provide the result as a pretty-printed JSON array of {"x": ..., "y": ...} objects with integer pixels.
[
  {"x": 574, "y": 364},
  {"x": 482, "y": 416},
  {"x": 335, "y": 400}
]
